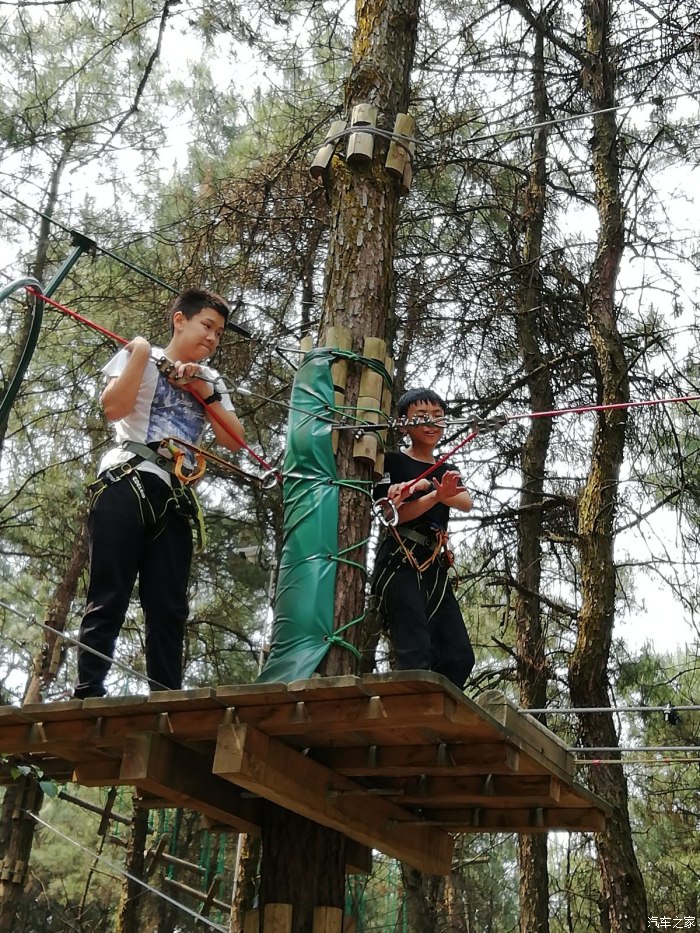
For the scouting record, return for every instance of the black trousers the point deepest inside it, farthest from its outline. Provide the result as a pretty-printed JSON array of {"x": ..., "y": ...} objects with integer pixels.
[
  {"x": 422, "y": 615},
  {"x": 136, "y": 530}
]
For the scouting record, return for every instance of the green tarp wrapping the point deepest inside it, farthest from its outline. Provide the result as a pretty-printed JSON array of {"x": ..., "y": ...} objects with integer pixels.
[{"x": 303, "y": 612}]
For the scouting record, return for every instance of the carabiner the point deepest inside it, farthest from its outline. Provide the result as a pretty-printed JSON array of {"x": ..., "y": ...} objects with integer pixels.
[
  {"x": 270, "y": 479},
  {"x": 387, "y": 513},
  {"x": 197, "y": 472}
]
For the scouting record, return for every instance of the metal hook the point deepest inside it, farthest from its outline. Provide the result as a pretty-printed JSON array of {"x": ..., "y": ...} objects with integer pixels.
[
  {"x": 387, "y": 513},
  {"x": 269, "y": 480}
]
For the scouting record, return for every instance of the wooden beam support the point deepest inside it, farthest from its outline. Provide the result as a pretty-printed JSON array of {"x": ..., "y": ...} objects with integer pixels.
[
  {"x": 163, "y": 768},
  {"x": 530, "y": 735},
  {"x": 531, "y": 820},
  {"x": 408, "y": 760},
  {"x": 251, "y": 759},
  {"x": 502, "y": 791}
]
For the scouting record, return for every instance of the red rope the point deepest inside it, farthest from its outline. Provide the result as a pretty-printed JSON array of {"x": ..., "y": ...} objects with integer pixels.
[
  {"x": 108, "y": 333},
  {"x": 76, "y": 316}
]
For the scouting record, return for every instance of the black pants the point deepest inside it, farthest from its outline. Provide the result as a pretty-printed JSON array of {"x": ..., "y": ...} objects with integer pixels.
[
  {"x": 136, "y": 530},
  {"x": 422, "y": 615}
]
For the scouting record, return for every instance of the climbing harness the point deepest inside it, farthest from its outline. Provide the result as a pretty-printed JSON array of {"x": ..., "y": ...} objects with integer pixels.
[
  {"x": 436, "y": 544},
  {"x": 183, "y": 495}
]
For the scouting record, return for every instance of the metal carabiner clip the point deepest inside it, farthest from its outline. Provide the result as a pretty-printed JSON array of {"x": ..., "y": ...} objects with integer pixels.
[
  {"x": 269, "y": 480},
  {"x": 387, "y": 513}
]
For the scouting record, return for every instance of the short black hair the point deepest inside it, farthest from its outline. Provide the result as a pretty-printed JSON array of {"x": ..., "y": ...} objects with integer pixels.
[
  {"x": 193, "y": 300},
  {"x": 418, "y": 395}
]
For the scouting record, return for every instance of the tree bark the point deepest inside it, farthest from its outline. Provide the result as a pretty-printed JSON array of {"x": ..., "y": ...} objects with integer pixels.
[
  {"x": 423, "y": 897},
  {"x": 623, "y": 886},
  {"x": 50, "y": 657},
  {"x": 530, "y": 634},
  {"x": 358, "y": 294},
  {"x": 303, "y": 864},
  {"x": 16, "y": 840},
  {"x": 246, "y": 880},
  {"x": 133, "y": 894}
]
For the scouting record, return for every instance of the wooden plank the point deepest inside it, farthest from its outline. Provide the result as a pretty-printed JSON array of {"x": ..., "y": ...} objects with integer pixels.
[
  {"x": 103, "y": 772},
  {"x": 253, "y": 694},
  {"x": 181, "y": 700},
  {"x": 409, "y": 683},
  {"x": 405, "y": 761},
  {"x": 328, "y": 920},
  {"x": 492, "y": 790},
  {"x": 251, "y": 759},
  {"x": 114, "y": 706},
  {"x": 329, "y": 688},
  {"x": 277, "y": 918},
  {"x": 61, "y": 710},
  {"x": 524, "y": 820},
  {"x": 251, "y": 921},
  {"x": 341, "y": 716},
  {"x": 159, "y": 766},
  {"x": 47, "y": 738},
  {"x": 12, "y": 715},
  {"x": 529, "y": 735}
]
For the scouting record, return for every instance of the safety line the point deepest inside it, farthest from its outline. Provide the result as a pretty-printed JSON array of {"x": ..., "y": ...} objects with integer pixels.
[
  {"x": 576, "y": 710},
  {"x": 127, "y": 874},
  {"x": 635, "y": 761},
  {"x": 75, "y": 641},
  {"x": 552, "y": 413},
  {"x": 231, "y": 325},
  {"x": 215, "y": 416},
  {"x": 402, "y": 139},
  {"x": 597, "y": 749}
]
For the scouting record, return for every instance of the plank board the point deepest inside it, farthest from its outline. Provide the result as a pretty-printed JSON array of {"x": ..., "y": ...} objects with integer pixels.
[{"x": 395, "y": 761}]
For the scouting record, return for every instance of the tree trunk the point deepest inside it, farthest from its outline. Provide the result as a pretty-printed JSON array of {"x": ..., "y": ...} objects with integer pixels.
[
  {"x": 423, "y": 897},
  {"x": 246, "y": 880},
  {"x": 359, "y": 283},
  {"x": 16, "y": 840},
  {"x": 623, "y": 886},
  {"x": 17, "y": 836},
  {"x": 132, "y": 895},
  {"x": 530, "y": 634},
  {"x": 303, "y": 864},
  {"x": 50, "y": 657}
]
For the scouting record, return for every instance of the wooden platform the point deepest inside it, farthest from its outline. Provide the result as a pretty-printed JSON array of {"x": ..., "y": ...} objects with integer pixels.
[{"x": 396, "y": 761}]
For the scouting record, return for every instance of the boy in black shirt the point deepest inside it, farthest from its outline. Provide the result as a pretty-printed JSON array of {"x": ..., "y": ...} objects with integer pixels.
[{"x": 411, "y": 572}]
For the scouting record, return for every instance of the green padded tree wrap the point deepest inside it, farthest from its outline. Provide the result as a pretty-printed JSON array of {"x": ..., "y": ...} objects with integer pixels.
[{"x": 304, "y": 602}]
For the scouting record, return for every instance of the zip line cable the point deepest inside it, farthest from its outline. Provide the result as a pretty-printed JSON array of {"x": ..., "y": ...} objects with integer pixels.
[
  {"x": 386, "y": 509},
  {"x": 406, "y": 141},
  {"x": 237, "y": 328},
  {"x": 200, "y": 918},
  {"x": 76, "y": 641},
  {"x": 576, "y": 710},
  {"x": 475, "y": 426}
]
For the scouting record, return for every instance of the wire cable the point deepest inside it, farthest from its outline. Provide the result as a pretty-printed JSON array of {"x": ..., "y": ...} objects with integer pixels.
[
  {"x": 76, "y": 641},
  {"x": 200, "y": 918}
]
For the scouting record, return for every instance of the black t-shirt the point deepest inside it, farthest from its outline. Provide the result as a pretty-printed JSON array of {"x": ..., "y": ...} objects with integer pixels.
[{"x": 400, "y": 468}]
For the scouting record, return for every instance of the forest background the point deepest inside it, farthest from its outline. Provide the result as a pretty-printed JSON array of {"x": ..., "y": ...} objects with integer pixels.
[{"x": 179, "y": 138}]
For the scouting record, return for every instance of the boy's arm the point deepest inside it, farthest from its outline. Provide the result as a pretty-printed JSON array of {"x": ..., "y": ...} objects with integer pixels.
[
  {"x": 119, "y": 396},
  {"x": 449, "y": 491},
  {"x": 216, "y": 413},
  {"x": 232, "y": 423}
]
